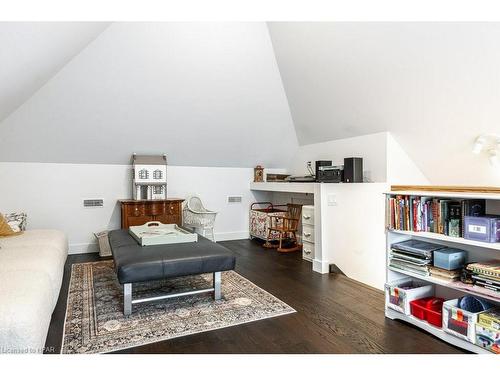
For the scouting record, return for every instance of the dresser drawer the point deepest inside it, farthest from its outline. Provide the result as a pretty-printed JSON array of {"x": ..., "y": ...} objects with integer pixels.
[
  {"x": 308, "y": 215},
  {"x": 167, "y": 211},
  {"x": 308, "y": 233},
  {"x": 174, "y": 208},
  {"x": 308, "y": 250},
  {"x": 135, "y": 210},
  {"x": 155, "y": 209}
]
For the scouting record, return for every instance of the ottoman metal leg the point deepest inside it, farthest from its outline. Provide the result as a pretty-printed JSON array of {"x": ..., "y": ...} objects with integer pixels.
[
  {"x": 217, "y": 285},
  {"x": 127, "y": 299}
]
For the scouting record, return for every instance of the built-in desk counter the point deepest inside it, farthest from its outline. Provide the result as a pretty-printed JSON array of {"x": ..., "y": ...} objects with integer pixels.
[
  {"x": 348, "y": 226},
  {"x": 284, "y": 187}
]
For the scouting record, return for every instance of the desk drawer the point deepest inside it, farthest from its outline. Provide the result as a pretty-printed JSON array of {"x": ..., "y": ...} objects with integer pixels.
[
  {"x": 308, "y": 215},
  {"x": 307, "y": 251},
  {"x": 308, "y": 233}
]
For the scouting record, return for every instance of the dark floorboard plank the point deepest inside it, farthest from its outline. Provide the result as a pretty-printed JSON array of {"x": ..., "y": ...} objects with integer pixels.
[{"x": 334, "y": 314}]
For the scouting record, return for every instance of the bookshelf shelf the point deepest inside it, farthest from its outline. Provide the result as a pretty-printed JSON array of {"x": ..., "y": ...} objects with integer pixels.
[
  {"x": 446, "y": 284},
  {"x": 436, "y": 332},
  {"x": 444, "y": 194},
  {"x": 449, "y": 239},
  {"x": 477, "y": 251}
]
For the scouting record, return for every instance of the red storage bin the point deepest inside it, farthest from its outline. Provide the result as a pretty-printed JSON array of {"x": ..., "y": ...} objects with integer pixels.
[{"x": 429, "y": 309}]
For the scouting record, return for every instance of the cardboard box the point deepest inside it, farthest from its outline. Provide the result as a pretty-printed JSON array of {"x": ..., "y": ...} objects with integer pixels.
[{"x": 490, "y": 319}]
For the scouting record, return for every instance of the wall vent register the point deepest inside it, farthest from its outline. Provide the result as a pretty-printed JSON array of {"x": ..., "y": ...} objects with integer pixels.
[
  {"x": 235, "y": 199},
  {"x": 93, "y": 203}
]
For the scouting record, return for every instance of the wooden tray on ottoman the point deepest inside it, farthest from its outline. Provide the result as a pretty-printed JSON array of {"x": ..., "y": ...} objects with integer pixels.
[{"x": 156, "y": 233}]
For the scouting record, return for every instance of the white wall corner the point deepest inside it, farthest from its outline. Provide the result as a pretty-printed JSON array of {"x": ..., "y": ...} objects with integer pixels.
[
  {"x": 321, "y": 266},
  {"x": 401, "y": 169}
]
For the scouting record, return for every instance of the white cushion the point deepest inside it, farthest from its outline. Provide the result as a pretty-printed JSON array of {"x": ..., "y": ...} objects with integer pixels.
[
  {"x": 45, "y": 258},
  {"x": 25, "y": 310},
  {"x": 37, "y": 237},
  {"x": 31, "y": 272}
]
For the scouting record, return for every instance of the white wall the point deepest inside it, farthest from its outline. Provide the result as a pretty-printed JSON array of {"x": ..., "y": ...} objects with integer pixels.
[
  {"x": 32, "y": 52},
  {"x": 372, "y": 148},
  {"x": 206, "y": 94},
  {"x": 434, "y": 86},
  {"x": 52, "y": 196},
  {"x": 353, "y": 233},
  {"x": 401, "y": 169}
]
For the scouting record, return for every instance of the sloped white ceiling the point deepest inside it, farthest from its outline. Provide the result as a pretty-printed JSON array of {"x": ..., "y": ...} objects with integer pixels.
[
  {"x": 206, "y": 94},
  {"x": 434, "y": 86},
  {"x": 31, "y": 53}
]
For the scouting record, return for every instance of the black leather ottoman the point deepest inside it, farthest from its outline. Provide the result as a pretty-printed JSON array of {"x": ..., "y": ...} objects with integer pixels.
[{"x": 135, "y": 263}]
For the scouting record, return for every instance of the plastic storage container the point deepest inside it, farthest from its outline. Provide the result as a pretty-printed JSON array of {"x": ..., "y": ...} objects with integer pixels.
[
  {"x": 488, "y": 338},
  {"x": 482, "y": 228},
  {"x": 429, "y": 309},
  {"x": 459, "y": 322},
  {"x": 399, "y": 293}
]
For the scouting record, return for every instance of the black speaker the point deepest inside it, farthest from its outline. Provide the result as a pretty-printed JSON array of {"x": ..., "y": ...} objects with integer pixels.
[{"x": 353, "y": 169}]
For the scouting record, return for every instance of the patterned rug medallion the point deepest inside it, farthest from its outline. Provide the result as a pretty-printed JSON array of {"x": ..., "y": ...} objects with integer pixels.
[{"x": 94, "y": 314}]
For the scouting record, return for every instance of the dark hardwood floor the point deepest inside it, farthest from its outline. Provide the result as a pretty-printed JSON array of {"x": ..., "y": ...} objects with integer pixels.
[{"x": 334, "y": 314}]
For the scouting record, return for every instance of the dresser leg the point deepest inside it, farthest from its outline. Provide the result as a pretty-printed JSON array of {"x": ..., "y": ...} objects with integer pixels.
[{"x": 127, "y": 299}]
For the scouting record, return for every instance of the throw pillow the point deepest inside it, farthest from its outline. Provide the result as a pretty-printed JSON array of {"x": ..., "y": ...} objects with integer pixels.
[
  {"x": 5, "y": 229},
  {"x": 17, "y": 221}
]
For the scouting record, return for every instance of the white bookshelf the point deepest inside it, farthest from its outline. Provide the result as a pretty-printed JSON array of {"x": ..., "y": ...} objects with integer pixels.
[
  {"x": 477, "y": 251},
  {"x": 436, "y": 281},
  {"x": 438, "y": 332},
  {"x": 436, "y": 237}
]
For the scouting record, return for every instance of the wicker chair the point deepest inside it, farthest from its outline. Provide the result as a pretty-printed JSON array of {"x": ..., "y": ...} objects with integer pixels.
[{"x": 196, "y": 216}]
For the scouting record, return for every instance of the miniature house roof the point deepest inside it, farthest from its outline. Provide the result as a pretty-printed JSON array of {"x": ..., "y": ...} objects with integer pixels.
[{"x": 149, "y": 159}]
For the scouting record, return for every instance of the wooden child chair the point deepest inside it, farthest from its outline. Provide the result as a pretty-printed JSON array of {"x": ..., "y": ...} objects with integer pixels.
[{"x": 286, "y": 226}]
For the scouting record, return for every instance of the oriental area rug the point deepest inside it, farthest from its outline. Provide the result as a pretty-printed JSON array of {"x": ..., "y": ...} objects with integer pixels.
[{"x": 94, "y": 314}]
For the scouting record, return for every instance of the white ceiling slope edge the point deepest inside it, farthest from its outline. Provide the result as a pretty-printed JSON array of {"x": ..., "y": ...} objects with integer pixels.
[
  {"x": 207, "y": 94},
  {"x": 31, "y": 53},
  {"x": 433, "y": 86}
]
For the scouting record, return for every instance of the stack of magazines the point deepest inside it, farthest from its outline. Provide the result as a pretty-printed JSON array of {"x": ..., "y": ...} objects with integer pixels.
[
  {"x": 413, "y": 256},
  {"x": 445, "y": 275},
  {"x": 486, "y": 274}
]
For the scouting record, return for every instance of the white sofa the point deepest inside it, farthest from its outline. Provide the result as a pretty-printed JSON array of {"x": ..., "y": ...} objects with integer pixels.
[{"x": 31, "y": 271}]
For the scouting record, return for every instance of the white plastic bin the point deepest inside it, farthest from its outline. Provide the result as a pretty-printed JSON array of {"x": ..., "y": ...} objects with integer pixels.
[
  {"x": 399, "y": 293},
  {"x": 459, "y": 322}
]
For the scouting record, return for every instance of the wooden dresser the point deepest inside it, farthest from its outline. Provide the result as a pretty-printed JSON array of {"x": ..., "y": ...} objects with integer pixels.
[{"x": 139, "y": 212}]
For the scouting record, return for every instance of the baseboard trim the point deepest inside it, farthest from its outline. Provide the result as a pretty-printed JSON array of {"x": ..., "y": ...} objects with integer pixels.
[
  {"x": 321, "y": 266},
  {"x": 83, "y": 248},
  {"x": 92, "y": 247},
  {"x": 230, "y": 236}
]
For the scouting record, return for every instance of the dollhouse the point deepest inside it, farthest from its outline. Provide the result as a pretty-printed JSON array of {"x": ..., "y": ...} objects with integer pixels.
[{"x": 149, "y": 176}]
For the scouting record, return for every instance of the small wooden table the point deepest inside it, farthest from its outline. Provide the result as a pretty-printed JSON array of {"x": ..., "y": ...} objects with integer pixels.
[{"x": 139, "y": 212}]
